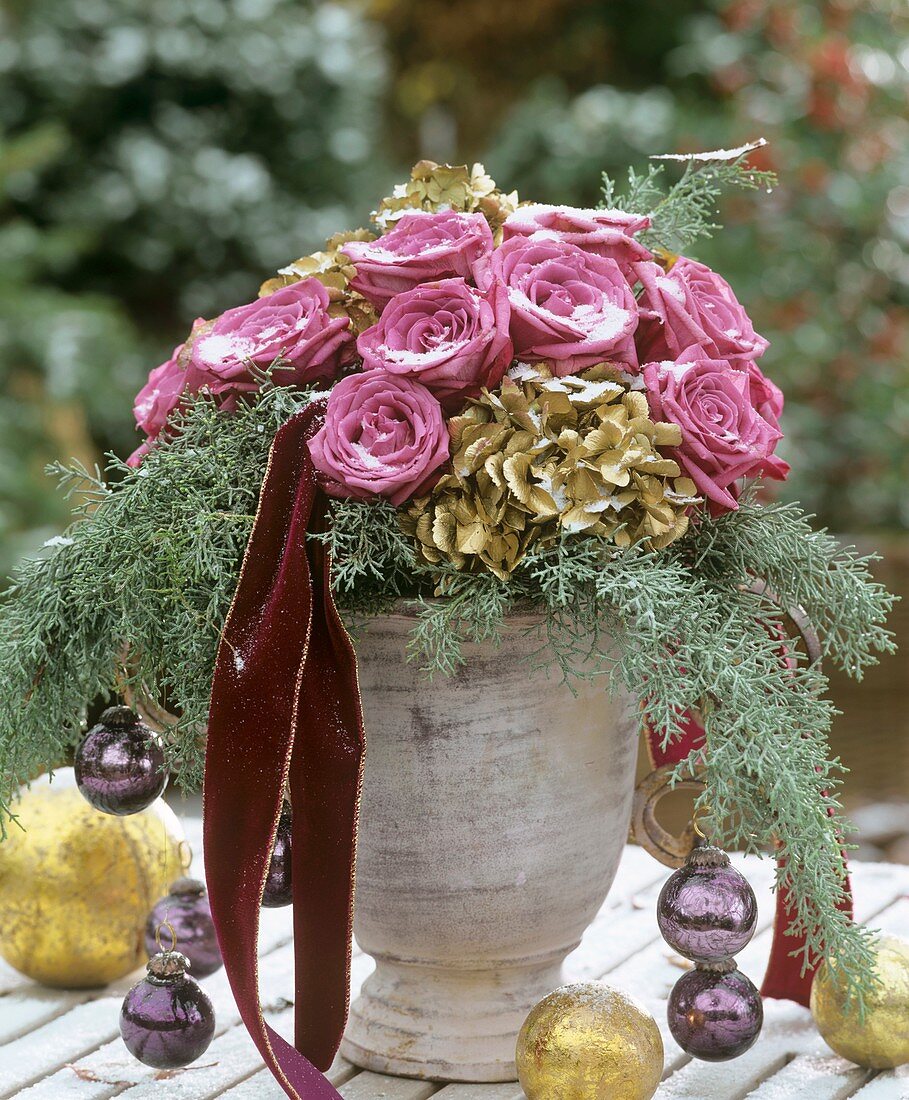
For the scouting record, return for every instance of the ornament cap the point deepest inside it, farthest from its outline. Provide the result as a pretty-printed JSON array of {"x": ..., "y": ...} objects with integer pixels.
[
  {"x": 167, "y": 965},
  {"x": 187, "y": 888},
  {"x": 707, "y": 855},
  {"x": 119, "y": 717},
  {"x": 721, "y": 966}
]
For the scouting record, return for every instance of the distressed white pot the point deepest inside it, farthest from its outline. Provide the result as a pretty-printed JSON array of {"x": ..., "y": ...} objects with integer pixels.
[{"x": 495, "y": 808}]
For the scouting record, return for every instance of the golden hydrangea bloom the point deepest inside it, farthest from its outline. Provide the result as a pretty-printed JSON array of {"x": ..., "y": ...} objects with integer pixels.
[
  {"x": 546, "y": 456},
  {"x": 448, "y": 187},
  {"x": 334, "y": 270}
]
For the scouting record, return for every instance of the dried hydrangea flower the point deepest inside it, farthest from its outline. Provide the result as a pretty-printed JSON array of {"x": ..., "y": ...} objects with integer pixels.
[
  {"x": 547, "y": 456},
  {"x": 448, "y": 187}
]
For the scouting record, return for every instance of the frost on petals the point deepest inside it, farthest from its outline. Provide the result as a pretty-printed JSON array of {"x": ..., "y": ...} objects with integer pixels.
[
  {"x": 383, "y": 436},
  {"x": 607, "y": 233},
  {"x": 727, "y": 419},
  {"x": 292, "y": 325},
  {"x": 423, "y": 247},
  {"x": 567, "y": 305},
  {"x": 447, "y": 335},
  {"x": 690, "y": 306}
]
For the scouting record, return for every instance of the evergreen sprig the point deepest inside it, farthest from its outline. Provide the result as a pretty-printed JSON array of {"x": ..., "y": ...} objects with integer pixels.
[{"x": 685, "y": 211}]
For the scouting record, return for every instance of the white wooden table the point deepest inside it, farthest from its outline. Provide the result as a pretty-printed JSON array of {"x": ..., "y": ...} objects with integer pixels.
[{"x": 58, "y": 1045}]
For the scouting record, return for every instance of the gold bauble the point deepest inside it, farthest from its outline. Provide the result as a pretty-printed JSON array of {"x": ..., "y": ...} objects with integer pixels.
[
  {"x": 76, "y": 885},
  {"x": 589, "y": 1042},
  {"x": 881, "y": 1039}
]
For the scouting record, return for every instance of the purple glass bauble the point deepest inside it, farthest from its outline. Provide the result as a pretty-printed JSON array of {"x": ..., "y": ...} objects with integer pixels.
[
  {"x": 715, "y": 1012},
  {"x": 707, "y": 911},
  {"x": 187, "y": 911},
  {"x": 167, "y": 1020},
  {"x": 120, "y": 765},
  {"x": 278, "y": 890}
]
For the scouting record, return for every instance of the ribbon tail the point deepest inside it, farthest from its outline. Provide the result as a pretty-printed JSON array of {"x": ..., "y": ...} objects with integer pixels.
[
  {"x": 276, "y": 717},
  {"x": 325, "y": 781}
]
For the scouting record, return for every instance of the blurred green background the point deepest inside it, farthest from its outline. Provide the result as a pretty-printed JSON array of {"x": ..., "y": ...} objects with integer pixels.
[{"x": 158, "y": 159}]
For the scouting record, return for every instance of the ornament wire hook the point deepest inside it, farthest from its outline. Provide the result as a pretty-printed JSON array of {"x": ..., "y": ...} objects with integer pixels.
[
  {"x": 173, "y": 936},
  {"x": 699, "y": 812}
]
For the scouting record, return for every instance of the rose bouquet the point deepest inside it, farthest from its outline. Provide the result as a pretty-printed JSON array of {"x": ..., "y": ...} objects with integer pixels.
[{"x": 478, "y": 405}]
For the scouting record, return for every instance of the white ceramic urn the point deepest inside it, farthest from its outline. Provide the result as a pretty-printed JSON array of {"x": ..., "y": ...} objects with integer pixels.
[{"x": 495, "y": 809}]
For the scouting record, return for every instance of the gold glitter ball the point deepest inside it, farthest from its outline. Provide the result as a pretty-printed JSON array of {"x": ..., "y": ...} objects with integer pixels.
[
  {"x": 881, "y": 1039},
  {"x": 76, "y": 885},
  {"x": 589, "y": 1042}
]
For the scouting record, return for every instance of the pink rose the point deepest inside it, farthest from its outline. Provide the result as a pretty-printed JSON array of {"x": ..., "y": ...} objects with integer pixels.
[
  {"x": 691, "y": 306},
  {"x": 138, "y": 456},
  {"x": 607, "y": 233},
  {"x": 422, "y": 248},
  {"x": 155, "y": 402},
  {"x": 292, "y": 325},
  {"x": 160, "y": 395},
  {"x": 724, "y": 435},
  {"x": 383, "y": 436},
  {"x": 450, "y": 337},
  {"x": 568, "y": 306}
]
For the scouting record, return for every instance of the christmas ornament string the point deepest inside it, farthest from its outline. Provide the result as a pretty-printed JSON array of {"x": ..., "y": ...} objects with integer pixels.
[{"x": 285, "y": 711}]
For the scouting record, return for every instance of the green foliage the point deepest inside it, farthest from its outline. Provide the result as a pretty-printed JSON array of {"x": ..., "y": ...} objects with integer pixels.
[
  {"x": 683, "y": 213},
  {"x": 137, "y": 590}
]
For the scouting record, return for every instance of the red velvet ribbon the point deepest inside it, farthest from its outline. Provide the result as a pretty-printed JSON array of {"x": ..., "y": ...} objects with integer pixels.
[
  {"x": 285, "y": 713},
  {"x": 784, "y": 978}
]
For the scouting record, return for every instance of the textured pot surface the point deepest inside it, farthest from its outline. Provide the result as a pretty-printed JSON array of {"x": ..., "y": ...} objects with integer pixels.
[{"x": 495, "y": 808}]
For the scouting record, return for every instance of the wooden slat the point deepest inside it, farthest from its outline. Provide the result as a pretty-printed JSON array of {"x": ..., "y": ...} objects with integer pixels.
[
  {"x": 112, "y": 1063},
  {"x": 374, "y": 1086},
  {"x": 481, "y": 1092},
  {"x": 893, "y": 1085},
  {"x": 262, "y": 1086},
  {"x": 818, "y": 1076},
  {"x": 62, "y": 1040}
]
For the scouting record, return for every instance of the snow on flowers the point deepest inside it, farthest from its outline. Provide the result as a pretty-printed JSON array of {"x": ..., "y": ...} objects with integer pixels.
[{"x": 503, "y": 374}]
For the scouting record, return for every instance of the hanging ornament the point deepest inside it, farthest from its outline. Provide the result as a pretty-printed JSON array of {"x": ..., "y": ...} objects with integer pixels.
[
  {"x": 707, "y": 910},
  {"x": 588, "y": 1042},
  {"x": 187, "y": 911},
  {"x": 715, "y": 1013},
  {"x": 167, "y": 1019},
  {"x": 76, "y": 885},
  {"x": 880, "y": 1040},
  {"x": 278, "y": 890},
  {"x": 120, "y": 766}
]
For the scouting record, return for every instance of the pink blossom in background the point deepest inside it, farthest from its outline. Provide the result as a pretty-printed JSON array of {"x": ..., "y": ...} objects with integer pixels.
[
  {"x": 568, "y": 306},
  {"x": 447, "y": 335},
  {"x": 383, "y": 436},
  {"x": 691, "y": 306},
  {"x": 607, "y": 233},
  {"x": 292, "y": 324},
  {"x": 725, "y": 436},
  {"x": 423, "y": 247}
]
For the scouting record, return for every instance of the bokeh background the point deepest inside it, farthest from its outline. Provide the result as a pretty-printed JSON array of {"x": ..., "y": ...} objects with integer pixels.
[{"x": 158, "y": 159}]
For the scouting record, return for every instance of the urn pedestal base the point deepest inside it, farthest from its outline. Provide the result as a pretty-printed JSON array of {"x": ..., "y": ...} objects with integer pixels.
[{"x": 445, "y": 1025}]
